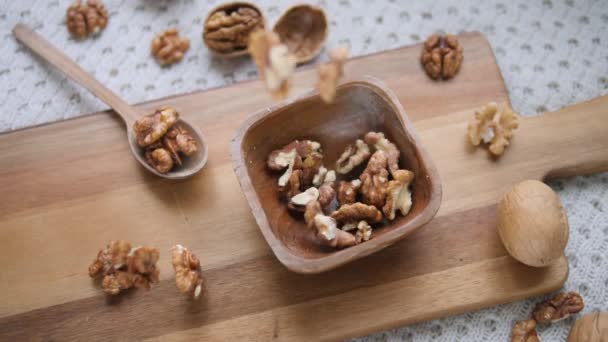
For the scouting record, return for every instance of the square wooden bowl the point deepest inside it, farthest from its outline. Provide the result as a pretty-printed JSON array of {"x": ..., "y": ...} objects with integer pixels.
[{"x": 361, "y": 106}]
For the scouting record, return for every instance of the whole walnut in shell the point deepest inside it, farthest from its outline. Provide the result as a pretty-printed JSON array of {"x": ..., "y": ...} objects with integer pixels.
[
  {"x": 592, "y": 327},
  {"x": 303, "y": 28},
  {"x": 227, "y": 28},
  {"x": 87, "y": 18},
  {"x": 532, "y": 224}
]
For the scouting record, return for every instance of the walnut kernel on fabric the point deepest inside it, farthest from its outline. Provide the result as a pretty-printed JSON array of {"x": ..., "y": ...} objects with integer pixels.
[
  {"x": 525, "y": 331},
  {"x": 353, "y": 156},
  {"x": 325, "y": 228},
  {"x": 492, "y": 127},
  {"x": 151, "y": 128},
  {"x": 274, "y": 61},
  {"x": 441, "y": 56},
  {"x": 168, "y": 47},
  {"x": 374, "y": 180},
  {"x": 228, "y": 30},
  {"x": 87, "y": 18},
  {"x": 188, "y": 274},
  {"x": 561, "y": 306},
  {"x": 330, "y": 73}
]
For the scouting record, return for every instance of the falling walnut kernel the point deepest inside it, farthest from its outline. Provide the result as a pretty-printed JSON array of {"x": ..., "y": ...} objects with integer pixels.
[
  {"x": 441, "y": 56},
  {"x": 227, "y": 29},
  {"x": 151, "y": 128},
  {"x": 557, "y": 308},
  {"x": 357, "y": 212},
  {"x": 168, "y": 47},
  {"x": 330, "y": 73},
  {"x": 525, "y": 331},
  {"x": 85, "y": 19},
  {"x": 374, "y": 180},
  {"x": 398, "y": 195},
  {"x": 492, "y": 127},
  {"x": 347, "y": 192},
  {"x": 188, "y": 274},
  {"x": 354, "y": 155},
  {"x": 274, "y": 61},
  {"x": 326, "y": 228}
]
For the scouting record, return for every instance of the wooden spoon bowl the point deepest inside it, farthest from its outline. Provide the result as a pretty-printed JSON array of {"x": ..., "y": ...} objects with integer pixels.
[{"x": 361, "y": 106}]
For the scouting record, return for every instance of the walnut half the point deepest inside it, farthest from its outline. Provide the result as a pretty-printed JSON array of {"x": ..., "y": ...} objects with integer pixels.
[
  {"x": 187, "y": 267},
  {"x": 87, "y": 18},
  {"x": 168, "y": 47},
  {"x": 441, "y": 56},
  {"x": 492, "y": 127},
  {"x": 274, "y": 61},
  {"x": 557, "y": 308}
]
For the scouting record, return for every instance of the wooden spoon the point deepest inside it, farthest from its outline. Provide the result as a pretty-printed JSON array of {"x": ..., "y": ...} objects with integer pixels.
[{"x": 129, "y": 114}]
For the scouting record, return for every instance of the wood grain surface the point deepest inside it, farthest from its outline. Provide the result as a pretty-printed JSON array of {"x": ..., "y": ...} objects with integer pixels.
[{"x": 69, "y": 187}]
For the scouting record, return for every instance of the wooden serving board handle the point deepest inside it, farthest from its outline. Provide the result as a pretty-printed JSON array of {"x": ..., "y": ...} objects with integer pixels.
[{"x": 572, "y": 141}]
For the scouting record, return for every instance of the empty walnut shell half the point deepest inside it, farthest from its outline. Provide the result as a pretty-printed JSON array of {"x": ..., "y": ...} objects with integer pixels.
[
  {"x": 227, "y": 28},
  {"x": 303, "y": 28}
]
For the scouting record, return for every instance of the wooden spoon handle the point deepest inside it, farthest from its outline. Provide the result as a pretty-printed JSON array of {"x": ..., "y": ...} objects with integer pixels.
[
  {"x": 569, "y": 142},
  {"x": 50, "y": 53}
]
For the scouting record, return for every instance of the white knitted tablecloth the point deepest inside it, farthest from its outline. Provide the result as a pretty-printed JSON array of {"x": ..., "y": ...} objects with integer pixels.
[{"x": 552, "y": 53}]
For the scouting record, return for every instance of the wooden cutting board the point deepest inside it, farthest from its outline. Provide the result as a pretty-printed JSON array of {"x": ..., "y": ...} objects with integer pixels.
[{"x": 70, "y": 187}]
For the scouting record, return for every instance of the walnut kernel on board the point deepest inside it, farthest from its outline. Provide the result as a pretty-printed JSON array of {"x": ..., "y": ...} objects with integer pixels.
[
  {"x": 168, "y": 47},
  {"x": 492, "y": 127},
  {"x": 123, "y": 267},
  {"x": 87, "y": 18},
  {"x": 441, "y": 56},
  {"x": 188, "y": 274},
  {"x": 274, "y": 62},
  {"x": 227, "y": 28}
]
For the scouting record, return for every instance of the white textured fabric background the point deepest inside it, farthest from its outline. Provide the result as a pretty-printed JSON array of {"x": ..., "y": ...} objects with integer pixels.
[{"x": 552, "y": 53}]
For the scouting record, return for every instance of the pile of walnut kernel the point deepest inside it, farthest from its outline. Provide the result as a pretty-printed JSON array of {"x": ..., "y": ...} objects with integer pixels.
[
  {"x": 343, "y": 214},
  {"x": 162, "y": 140},
  {"x": 555, "y": 309}
]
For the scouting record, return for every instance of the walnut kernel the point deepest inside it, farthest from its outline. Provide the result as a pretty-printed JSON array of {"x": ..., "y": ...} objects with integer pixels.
[
  {"x": 378, "y": 140},
  {"x": 330, "y": 73},
  {"x": 347, "y": 192},
  {"x": 274, "y": 61},
  {"x": 557, "y": 308},
  {"x": 85, "y": 19},
  {"x": 151, "y": 128},
  {"x": 398, "y": 195},
  {"x": 160, "y": 159},
  {"x": 374, "y": 180},
  {"x": 492, "y": 127},
  {"x": 188, "y": 274},
  {"x": 353, "y": 156},
  {"x": 357, "y": 212},
  {"x": 441, "y": 56},
  {"x": 168, "y": 47},
  {"x": 326, "y": 228},
  {"x": 525, "y": 331}
]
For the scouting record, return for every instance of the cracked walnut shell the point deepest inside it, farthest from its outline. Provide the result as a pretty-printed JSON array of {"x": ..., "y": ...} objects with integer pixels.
[
  {"x": 441, "y": 56},
  {"x": 303, "y": 28},
  {"x": 274, "y": 62},
  {"x": 168, "y": 48},
  {"x": 87, "y": 18},
  {"x": 492, "y": 127},
  {"x": 557, "y": 308},
  {"x": 188, "y": 274},
  {"x": 228, "y": 27},
  {"x": 525, "y": 331}
]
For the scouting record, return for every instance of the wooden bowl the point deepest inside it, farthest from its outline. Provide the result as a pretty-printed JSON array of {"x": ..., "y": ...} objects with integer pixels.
[{"x": 361, "y": 106}]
